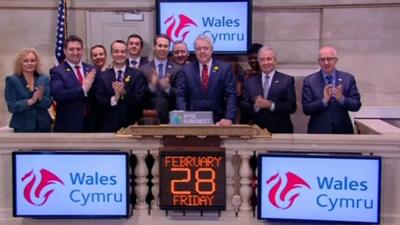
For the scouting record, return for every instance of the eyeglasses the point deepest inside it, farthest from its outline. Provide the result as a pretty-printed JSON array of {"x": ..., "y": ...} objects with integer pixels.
[
  {"x": 183, "y": 52},
  {"x": 329, "y": 59}
]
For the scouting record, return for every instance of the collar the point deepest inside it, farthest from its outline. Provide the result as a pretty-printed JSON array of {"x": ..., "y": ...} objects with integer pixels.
[
  {"x": 157, "y": 62},
  {"x": 271, "y": 75},
  {"x": 116, "y": 70},
  {"x": 208, "y": 65},
  {"x": 73, "y": 65}
]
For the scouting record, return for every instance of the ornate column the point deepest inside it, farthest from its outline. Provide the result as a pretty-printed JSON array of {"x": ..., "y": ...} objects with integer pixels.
[
  {"x": 245, "y": 174},
  {"x": 155, "y": 189},
  {"x": 141, "y": 188},
  {"x": 230, "y": 172}
]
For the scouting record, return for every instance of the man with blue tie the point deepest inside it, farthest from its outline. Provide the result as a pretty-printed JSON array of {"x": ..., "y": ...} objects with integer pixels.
[
  {"x": 71, "y": 87},
  {"x": 119, "y": 91},
  {"x": 269, "y": 96},
  {"x": 207, "y": 84},
  {"x": 328, "y": 95},
  {"x": 161, "y": 74}
]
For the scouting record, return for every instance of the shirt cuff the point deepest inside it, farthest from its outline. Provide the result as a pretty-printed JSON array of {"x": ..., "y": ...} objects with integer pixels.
[
  {"x": 113, "y": 101},
  {"x": 256, "y": 108},
  {"x": 272, "y": 107},
  {"x": 84, "y": 91}
]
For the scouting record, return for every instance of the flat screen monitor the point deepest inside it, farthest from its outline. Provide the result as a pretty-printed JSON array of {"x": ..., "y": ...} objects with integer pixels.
[
  {"x": 226, "y": 22},
  {"x": 304, "y": 188},
  {"x": 70, "y": 184}
]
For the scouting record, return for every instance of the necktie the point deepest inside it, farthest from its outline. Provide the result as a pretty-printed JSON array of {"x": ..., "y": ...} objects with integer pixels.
[
  {"x": 329, "y": 79},
  {"x": 119, "y": 78},
  {"x": 204, "y": 76},
  {"x": 160, "y": 70},
  {"x": 266, "y": 86},
  {"x": 134, "y": 63},
  {"x": 79, "y": 74}
]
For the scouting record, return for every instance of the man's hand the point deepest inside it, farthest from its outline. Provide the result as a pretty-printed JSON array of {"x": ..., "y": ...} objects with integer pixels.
[
  {"x": 118, "y": 89},
  {"x": 88, "y": 81},
  {"x": 337, "y": 93},
  {"x": 165, "y": 83},
  {"x": 224, "y": 122},
  {"x": 262, "y": 103},
  {"x": 153, "y": 78},
  {"x": 327, "y": 93}
]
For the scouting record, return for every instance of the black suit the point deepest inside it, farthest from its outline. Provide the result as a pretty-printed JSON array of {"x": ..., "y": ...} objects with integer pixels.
[
  {"x": 281, "y": 92},
  {"x": 144, "y": 60},
  {"x": 161, "y": 100},
  {"x": 129, "y": 107}
]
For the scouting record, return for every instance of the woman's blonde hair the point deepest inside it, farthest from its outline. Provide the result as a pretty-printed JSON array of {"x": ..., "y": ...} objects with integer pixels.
[{"x": 20, "y": 58}]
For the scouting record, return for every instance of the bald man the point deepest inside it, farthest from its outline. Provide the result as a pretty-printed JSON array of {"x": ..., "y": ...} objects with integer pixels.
[{"x": 328, "y": 95}]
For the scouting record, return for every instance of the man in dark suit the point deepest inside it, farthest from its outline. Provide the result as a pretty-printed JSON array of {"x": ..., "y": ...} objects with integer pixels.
[
  {"x": 207, "y": 85},
  {"x": 161, "y": 74},
  {"x": 328, "y": 95},
  {"x": 135, "y": 47},
  {"x": 71, "y": 85},
  {"x": 269, "y": 97},
  {"x": 119, "y": 91}
]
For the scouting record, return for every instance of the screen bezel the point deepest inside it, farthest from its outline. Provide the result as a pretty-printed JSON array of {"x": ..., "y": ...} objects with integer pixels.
[
  {"x": 70, "y": 152},
  {"x": 249, "y": 22},
  {"x": 321, "y": 156}
]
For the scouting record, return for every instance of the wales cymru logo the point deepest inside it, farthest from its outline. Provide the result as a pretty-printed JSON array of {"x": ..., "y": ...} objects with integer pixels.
[
  {"x": 39, "y": 187},
  {"x": 178, "y": 27},
  {"x": 285, "y": 189}
]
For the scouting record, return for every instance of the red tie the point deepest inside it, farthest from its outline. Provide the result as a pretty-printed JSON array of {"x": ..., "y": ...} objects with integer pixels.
[
  {"x": 204, "y": 77},
  {"x": 78, "y": 72}
]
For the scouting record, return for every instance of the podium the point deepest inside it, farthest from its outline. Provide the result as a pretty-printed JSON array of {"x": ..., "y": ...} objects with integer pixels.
[{"x": 192, "y": 163}]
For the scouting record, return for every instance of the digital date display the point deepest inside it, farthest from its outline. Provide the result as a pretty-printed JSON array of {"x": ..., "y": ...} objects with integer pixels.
[{"x": 192, "y": 180}]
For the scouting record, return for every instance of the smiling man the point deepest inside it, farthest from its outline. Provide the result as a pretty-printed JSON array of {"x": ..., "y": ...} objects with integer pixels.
[
  {"x": 161, "y": 74},
  {"x": 328, "y": 95},
  {"x": 119, "y": 91},
  {"x": 269, "y": 96},
  {"x": 207, "y": 84},
  {"x": 71, "y": 87}
]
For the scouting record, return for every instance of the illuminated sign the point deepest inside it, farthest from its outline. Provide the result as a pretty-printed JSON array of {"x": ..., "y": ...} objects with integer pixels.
[
  {"x": 319, "y": 188},
  {"x": 70, "y": 184},
  {"x": 229, "y": 31},
  {"x": 192, "y": 180}
]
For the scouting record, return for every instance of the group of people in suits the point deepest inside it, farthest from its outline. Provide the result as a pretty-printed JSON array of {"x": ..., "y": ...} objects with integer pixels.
[{"x": 105, "y": 98}]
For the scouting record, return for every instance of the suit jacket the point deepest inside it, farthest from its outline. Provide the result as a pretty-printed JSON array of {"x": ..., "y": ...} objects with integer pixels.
[
  {"x": 27, "y": 118},
  {"x": 220, "y": 97},
  {"x": 334, "y": 117},
  {"x": 144, "y": 60},
  {"x": 161, "y": 100},
  {"x": 74, "y": 109},
  {"x": 129, "y": 107},
  {"x": 281, "y": 92}
]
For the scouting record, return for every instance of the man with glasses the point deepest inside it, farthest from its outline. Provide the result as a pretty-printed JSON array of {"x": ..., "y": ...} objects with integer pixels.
[
  {"x": 207, "y": 84},
  {"x": 328, "y": 95}
]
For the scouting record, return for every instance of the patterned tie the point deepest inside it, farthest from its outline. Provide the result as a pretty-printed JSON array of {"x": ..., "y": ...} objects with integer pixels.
[
  {"x": 160, "y": 70},
  {"x": 266, "y": 86},
  {"x": 79, "y": 74},
  {"x": 204, "y": 77},
  {"x": 119, "y": 78}
]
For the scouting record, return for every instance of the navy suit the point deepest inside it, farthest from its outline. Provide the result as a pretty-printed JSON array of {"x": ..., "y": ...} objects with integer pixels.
[
  {"x": 144, "y": 60},
  {"x": 281, "y": 92},
  {"x": 25, "y": 118},
  {"x": 159, "y": 99},
  {"x": 129, "y": 107},
  {"x": 334, "y": 117},
  {"x": 220, "y": 96},
  {"x": 73, "y": 107}
]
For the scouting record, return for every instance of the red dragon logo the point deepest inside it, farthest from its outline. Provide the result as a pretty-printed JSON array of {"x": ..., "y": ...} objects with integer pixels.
[
  {"x": 177, "y": 32},
  {"x": 285, "y": 190},
  {"x": 37, "y": 193}
]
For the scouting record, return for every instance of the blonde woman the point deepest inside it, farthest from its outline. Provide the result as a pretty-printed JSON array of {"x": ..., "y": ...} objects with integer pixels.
[{"x": 27, "y": 94}]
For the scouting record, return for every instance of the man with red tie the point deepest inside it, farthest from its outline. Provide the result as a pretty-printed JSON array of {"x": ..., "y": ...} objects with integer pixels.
[
  {"x": 71, "y": 87},
  {"x": 207, "y": 84}
]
